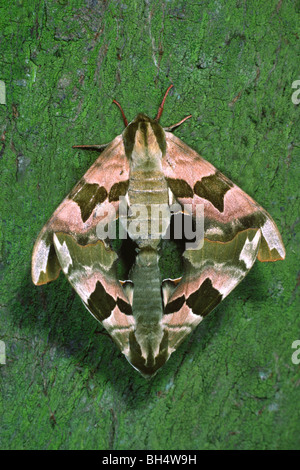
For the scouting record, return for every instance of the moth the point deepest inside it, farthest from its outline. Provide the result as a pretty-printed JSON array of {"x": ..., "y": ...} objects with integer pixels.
[{"x": 147, "y": 165}]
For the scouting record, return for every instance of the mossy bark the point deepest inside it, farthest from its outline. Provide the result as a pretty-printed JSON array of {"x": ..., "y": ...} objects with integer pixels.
[{"x": 232, "y": 384}]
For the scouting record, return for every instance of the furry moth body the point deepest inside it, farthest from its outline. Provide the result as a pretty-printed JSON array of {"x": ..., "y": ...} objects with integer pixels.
[{"x": 148, "y": 317}]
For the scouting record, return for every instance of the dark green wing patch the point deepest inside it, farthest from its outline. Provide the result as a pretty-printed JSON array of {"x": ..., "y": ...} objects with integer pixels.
[
  {"x": 180, "y": 188},
  {"x": 213, "y": 188},
  {"x": 175, "y": 305},
  {"x": 117, "y": 190},
  {"x": 201, "y": 302},
  {"x": 88, "y": 196},
  {"x": 205, "y": 299},
  {"x": 101, "y": 303},
  {"x": 124, "y": 307}
]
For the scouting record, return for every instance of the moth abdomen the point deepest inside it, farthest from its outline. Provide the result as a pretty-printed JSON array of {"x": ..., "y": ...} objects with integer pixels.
[
  {"x": 145, "y": 276},
  {"x": 147, "y": 311}
]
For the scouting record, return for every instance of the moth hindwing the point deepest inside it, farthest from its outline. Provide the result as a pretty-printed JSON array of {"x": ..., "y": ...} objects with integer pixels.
[{"x": 134, "y": 185}]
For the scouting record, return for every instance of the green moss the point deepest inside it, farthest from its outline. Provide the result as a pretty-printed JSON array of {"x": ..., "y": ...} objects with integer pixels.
[{"x": 232, "y": 384}]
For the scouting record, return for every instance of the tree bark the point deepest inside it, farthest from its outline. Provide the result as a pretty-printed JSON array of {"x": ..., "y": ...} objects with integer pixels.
[{"x": 233, "y": 383}]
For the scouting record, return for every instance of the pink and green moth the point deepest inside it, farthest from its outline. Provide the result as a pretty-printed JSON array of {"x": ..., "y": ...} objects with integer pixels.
[{"x": 148, "y": 317}]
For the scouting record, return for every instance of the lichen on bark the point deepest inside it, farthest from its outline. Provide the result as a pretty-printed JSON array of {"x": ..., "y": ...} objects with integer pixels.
[{"x": 232, "y": 384}]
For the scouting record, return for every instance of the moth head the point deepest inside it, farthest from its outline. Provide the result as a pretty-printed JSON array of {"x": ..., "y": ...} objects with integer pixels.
[{"x": 144, "y": 140}]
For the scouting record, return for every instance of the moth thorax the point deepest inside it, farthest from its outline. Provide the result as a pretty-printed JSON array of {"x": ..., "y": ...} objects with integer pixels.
[
  {"x": 145, "y": 143},
  {"x": 146, "y": 152}
]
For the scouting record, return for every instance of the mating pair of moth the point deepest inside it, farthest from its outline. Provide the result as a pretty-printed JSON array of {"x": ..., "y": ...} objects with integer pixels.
[{"x": 148, "y": 317}]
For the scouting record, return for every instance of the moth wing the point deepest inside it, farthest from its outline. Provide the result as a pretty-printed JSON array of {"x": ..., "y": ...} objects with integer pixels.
[
  {"x": 91, "y": 270},
  {"x": 210, "y": 274},
  {"x": 92, "y": 203},
  {"x": 227, "y": 209}
]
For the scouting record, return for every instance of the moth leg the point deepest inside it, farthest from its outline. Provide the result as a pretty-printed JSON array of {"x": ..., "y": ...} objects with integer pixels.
[
  {"x": 169, "y": 129},
  {"x": 99, "y": 148}
]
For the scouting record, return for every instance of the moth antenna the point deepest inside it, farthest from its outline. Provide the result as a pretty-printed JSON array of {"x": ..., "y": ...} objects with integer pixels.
[
  {"x": 160, "y": 109},
  {"x": 123, "y": 115}
]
